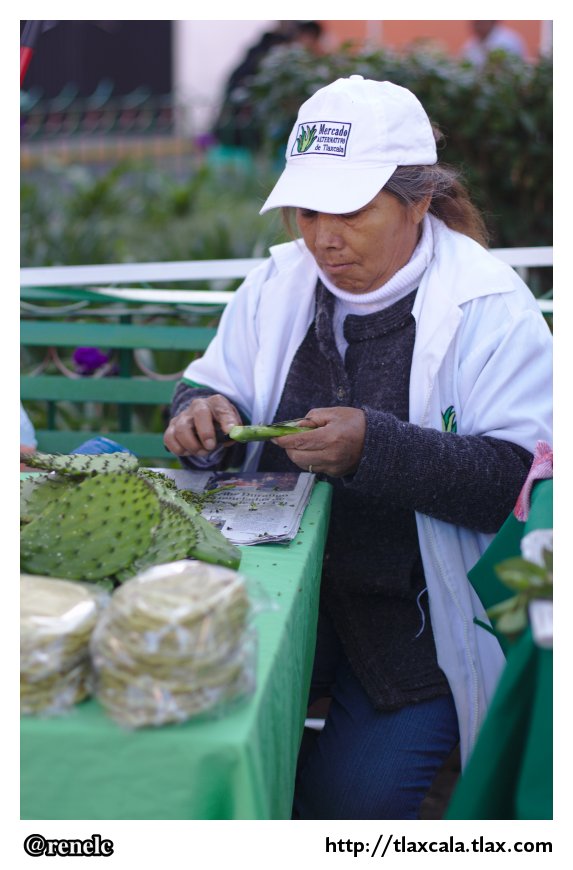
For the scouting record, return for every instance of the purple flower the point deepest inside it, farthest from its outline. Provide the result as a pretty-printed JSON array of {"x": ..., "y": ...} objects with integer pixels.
[
  {"x": 88, "y": 360},
  {"x": 204, "y": 141}
]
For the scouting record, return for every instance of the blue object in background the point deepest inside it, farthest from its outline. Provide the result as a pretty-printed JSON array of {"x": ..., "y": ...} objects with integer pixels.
[
  {"x": 101, "y": 445},
  {"x": 27, "y": 432}
]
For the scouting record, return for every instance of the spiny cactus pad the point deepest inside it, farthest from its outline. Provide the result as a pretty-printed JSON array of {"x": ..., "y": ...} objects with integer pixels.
[
  {"x": 92, "y": 530},
  {"x": 82, "y": 464},
  {"x": 173, "y": 538},
  {"x": 90, "y": 520},
  {"x": 210, "y": 545},
  {"x": 213, "y": 547},
  {"x": 37, "y": 492}
]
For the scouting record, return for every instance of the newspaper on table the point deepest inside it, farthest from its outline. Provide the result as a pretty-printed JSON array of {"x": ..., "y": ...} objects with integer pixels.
[{"x": 252, "y": 507}]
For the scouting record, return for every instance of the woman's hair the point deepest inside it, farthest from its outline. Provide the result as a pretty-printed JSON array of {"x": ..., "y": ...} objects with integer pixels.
[{"x": 449, "y": 197}]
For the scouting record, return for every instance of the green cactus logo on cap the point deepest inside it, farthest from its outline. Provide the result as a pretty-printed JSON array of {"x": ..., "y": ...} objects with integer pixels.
[{"x": 305, "y": 138}]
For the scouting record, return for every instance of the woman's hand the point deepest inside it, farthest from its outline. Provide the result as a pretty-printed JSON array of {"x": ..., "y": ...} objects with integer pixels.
[
  {"x": 334, "y": 447},
  {"x": 192, "y": 432}
]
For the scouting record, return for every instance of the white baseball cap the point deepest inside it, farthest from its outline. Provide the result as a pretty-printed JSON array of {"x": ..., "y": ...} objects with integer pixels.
[{"x": 348, "y": 139}]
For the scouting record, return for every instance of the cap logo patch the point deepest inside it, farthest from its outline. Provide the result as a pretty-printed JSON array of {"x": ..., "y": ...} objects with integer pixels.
[{"x": 321, "y": 137}]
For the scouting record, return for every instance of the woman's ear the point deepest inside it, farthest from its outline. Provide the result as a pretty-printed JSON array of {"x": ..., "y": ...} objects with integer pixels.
[{"x": 420, "y": 208}]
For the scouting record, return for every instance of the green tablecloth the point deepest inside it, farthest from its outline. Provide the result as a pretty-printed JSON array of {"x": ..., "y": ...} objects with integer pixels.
[
  {"x": 509, "y": 773},
  {"x": 239, "y": 766}
]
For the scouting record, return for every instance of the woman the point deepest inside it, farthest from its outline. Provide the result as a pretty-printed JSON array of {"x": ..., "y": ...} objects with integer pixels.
[{"x": 424, "y": 366}]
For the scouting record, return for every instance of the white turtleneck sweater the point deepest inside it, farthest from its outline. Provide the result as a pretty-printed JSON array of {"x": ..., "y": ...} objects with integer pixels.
[{"x": 400, "y": 284}]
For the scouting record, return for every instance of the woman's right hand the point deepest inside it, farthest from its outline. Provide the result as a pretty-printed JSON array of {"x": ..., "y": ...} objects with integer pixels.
[{"x": 192, "y": 432}]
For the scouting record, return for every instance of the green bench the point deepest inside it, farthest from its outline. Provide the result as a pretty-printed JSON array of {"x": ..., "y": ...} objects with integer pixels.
[
  {"x": 64, "y": 308},
  {"x": 114, "y": 308}
]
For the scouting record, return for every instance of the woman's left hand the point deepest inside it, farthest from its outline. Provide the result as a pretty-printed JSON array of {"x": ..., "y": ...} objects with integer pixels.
[{"x": 334, "y": 447}]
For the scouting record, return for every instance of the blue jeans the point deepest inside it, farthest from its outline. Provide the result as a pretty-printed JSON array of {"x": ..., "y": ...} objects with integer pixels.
[
  {"x": 368, "y": 764},
  {"x": 100, "y": 444}
]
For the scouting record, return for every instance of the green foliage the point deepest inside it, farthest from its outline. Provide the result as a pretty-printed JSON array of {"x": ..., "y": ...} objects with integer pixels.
[
  {"x": 137, "y": 212},
  {"x": 528, "y": 581},
  {"x": 497, "y": 122}
]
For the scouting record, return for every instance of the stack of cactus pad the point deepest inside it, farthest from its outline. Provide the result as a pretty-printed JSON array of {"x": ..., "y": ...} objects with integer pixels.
[
  {"x": 102, "y": 518},
  {"x": 57, "y": 619},
  {"x": 174, "y": 643}
]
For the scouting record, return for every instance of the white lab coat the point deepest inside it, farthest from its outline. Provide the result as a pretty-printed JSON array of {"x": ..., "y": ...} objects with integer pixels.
[{"x": 481, "y": 346}]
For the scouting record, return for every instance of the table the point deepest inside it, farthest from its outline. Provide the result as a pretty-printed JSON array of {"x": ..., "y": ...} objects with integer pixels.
[
  {"x": 509, "y": 773},
  {"x": 238, "y": 766}
]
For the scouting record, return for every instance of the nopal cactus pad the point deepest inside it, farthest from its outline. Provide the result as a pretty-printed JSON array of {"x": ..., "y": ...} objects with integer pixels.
[
  {"x": 210, "y": 545},
  {"x": 173, "y": 538},
  {"x": 93, "y": 530},
  {"x": 37, "y": 492},
  {"x": 80, "y": 464}
]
